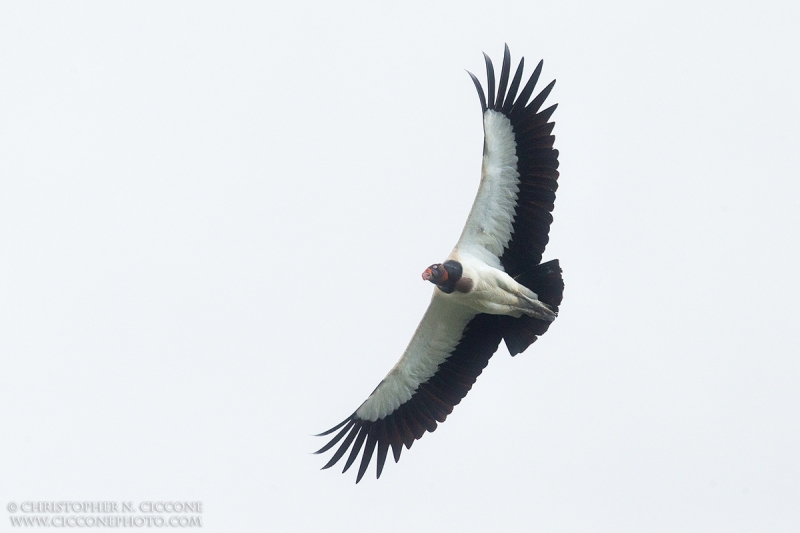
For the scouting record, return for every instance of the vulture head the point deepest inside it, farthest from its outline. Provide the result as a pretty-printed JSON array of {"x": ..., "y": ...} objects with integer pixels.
[{"x": 447, "y": 276}]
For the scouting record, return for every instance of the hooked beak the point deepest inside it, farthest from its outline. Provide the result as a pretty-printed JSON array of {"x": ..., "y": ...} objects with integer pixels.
[{"x": 427, "y": 275}]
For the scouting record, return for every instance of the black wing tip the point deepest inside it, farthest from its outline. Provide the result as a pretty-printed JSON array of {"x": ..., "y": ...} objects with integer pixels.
[
  {"x": 506, "y": 100},
  {"x": 503, "y": 83},
  {"x": 369, "y": 450},
  {"x": 489, "y": 80},
  {"x": 334, "y": 428},
  {"x": 480, "y": 91},
  {"x": 357, "y": 431},
  {"x": 357, "y": 445}
]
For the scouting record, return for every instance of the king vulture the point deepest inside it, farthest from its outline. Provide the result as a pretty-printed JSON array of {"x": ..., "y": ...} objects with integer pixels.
[{"x": 491, "y": 288}]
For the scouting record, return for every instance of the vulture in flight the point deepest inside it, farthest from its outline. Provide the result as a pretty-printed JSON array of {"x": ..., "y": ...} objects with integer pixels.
[{"x": 492, "y": 287}]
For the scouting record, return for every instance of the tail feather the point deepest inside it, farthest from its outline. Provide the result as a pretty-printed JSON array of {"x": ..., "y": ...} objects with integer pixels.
[{"x": 546, "y": 281}]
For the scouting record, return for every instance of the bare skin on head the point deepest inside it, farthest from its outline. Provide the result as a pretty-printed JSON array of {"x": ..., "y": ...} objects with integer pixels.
[{"x": 436, "y": 274}]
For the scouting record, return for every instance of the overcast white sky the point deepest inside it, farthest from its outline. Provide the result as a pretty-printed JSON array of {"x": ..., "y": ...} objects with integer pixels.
[{"x": 213, "y": 218}]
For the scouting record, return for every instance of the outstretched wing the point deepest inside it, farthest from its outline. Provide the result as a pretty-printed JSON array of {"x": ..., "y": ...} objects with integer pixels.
[
  {"x": 508, "y": 228},
  {"x": 449, "y": 350},
  {"x": 510, "y": 219}
]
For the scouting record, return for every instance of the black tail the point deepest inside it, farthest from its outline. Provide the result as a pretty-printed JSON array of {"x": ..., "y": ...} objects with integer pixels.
[{"x": 545, "y": 280}]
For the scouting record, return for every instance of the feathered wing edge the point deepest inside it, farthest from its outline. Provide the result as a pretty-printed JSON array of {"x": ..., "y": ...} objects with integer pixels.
[
  {"x": 537, "y": 160},
  {"x": 430, "y": 404}
]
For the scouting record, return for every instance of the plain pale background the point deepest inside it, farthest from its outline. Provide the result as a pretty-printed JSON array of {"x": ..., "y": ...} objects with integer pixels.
[{"x": 213, "y": 219}]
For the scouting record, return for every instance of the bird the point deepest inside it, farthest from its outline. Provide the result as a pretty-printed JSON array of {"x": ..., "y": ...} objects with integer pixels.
[{"x": 492, "y": 288}]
